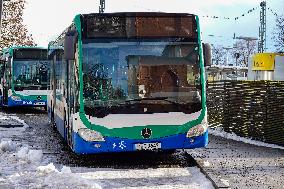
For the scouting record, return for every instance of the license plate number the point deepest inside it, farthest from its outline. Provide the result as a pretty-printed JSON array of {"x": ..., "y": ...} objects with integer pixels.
[
  {"x": 39, "y": 103},
  {"x": 148, "y": 146}
]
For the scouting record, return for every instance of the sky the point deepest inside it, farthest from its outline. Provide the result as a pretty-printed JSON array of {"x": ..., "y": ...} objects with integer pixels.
[{"x": 47, "y": 19}]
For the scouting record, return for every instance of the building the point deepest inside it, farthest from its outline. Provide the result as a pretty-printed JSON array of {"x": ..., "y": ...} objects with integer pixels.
[
  {"x": 266, "y": 66},
  {"x": 219, "y": 73}
]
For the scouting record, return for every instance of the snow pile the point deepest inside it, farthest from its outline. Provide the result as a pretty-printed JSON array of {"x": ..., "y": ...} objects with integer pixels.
[
  {"x": 52, "y": 178},
  {"x": 35, "y": 155},
  {"x": 206, "y": 164},
  {"x": 7, "y": 145},
  {"x": 22, "y": 153},
  {"x": 4, "y": 117},
  {"x": 225, "y": 182},
  {"x": 66, "y": 170},
  {"x": 30, "y": 155},
  {"x": 20, "y": 169},
  {"x": 220, "y": 132},
  {"x": 47, "y": 169}
]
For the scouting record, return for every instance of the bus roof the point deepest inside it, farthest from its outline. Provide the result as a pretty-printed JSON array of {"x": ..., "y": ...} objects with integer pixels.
[
  {"x": 10, "y": 49},
  {"x": 146, "y": 14},
  {"x": 138, "y": 25},
  {"x": 60, "y": 39}
]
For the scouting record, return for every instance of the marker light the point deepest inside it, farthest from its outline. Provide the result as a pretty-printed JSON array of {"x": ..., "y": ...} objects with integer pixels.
[{"x": 197, "y": 130}]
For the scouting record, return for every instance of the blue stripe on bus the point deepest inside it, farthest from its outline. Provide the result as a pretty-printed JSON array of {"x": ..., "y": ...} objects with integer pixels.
[
  {"x": 13, "y": 103},
  {"x": 80, "y": 146}
]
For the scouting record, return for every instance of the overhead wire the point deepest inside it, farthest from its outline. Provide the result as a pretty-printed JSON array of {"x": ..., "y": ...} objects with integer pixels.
[{"x": 232, "y": 18}]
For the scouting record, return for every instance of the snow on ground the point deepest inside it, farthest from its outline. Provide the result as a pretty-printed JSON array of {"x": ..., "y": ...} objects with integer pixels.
[
  {"x": 23, "y": 167},
  {"x": 220, "y": 132},
  {"x": 20, "y": 121},
  {"x": 9, "y": 132},
  {"x": 166, "y": 178}
]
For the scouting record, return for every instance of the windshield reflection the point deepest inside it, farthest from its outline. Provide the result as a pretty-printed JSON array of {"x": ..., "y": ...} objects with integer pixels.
[
  {"x": 31, "y": 75},
  {"x": 140, "y": 77}
]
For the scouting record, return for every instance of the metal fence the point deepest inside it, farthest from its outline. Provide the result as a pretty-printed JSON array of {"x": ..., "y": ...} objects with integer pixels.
[{"x": 252, "y": 109}]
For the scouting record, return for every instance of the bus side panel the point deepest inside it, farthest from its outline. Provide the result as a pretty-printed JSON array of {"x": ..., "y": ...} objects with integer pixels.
[
  {"x": 49, "y": 111},
  {"x": 1, "y": 101},
  {"x": 59, "y": 124},
  {"x": 1, "y": 92}
]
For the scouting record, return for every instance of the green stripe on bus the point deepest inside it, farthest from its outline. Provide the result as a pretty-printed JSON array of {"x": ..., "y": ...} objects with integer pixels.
[{"x": 135, "y": 131}]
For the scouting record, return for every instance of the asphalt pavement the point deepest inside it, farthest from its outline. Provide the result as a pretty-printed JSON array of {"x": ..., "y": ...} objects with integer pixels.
[{"x": 233, "y": 164}]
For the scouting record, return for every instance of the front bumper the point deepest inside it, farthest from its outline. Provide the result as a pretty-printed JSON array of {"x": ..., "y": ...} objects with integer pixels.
[
  {"x": 23, "y": 102},
  {"x": 111, "y": 144}
]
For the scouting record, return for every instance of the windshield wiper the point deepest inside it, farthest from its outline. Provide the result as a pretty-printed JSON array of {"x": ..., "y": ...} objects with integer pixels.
[
  {"x": 147, "y": 98},
  {"x": 152, "y": 99}
]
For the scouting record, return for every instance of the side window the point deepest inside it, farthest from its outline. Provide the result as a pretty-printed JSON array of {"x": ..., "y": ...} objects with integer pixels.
[
  {"x": 9, "y": 73},
  {"x": 58, "y": 76},
  {"x": 76, "y": 83},
  {"x": 64, "y": 82},
  {"x": 52, "y": 74}
]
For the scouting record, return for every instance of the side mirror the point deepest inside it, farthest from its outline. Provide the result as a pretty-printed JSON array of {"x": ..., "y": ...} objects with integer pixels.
[
  {"x": 69, "y": 44},
  {"x": 207, "y": 53}
]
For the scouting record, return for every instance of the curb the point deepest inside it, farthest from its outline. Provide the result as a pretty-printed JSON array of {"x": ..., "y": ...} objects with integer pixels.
[{"x": 203, "y": 171}]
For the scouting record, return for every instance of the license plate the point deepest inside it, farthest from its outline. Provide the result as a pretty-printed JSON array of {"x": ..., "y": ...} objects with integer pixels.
[
  {"x": 148, "y": 146},
  {"x": 39, "y": 103}
]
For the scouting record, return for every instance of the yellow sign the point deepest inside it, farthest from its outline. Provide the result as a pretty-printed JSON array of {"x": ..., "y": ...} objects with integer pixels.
[{"x": 264, "y": 61}]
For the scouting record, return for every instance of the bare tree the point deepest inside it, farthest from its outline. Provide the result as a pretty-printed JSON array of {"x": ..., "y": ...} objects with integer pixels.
[
  {"x": 13, "y": 31},
  {"x": 218, "y": 55},
  {"x": 243, "y": 50},
  {"x": 278, "y": 34}
]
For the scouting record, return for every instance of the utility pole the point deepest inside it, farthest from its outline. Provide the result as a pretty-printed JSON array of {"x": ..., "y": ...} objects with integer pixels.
[
  {"x": 262, "y": 28},
  {"x": 102, "y": 6}
]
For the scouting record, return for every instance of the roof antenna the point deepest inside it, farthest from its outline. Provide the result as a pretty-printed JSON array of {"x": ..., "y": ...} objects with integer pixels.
[{"x": 102, "y": 6}]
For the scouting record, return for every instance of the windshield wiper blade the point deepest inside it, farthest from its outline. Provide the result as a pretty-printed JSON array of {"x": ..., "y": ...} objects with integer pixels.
[{"x": 148, "y": 98}]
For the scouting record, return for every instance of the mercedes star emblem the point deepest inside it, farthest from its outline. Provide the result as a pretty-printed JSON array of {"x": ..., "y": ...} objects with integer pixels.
[{"x": 146, "y": 133}]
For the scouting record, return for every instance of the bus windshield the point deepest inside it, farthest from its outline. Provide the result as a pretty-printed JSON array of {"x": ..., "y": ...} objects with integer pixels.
[
  {"x": 31, "y": 74},
  {"x": 141, "y": 77}
]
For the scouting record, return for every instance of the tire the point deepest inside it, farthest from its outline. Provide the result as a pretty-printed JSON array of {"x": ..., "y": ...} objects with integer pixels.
[{"x": 171, "y": 151}]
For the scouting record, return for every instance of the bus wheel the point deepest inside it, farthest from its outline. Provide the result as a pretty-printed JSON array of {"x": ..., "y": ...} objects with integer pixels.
[{"x": 169, "y": 152}]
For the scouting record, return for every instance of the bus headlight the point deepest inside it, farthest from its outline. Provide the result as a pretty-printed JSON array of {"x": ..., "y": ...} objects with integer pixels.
[
  {"x": 16, "y": 98},
  {"x": 197, "y": 130},
  {"x": 90, "y": 135}
]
